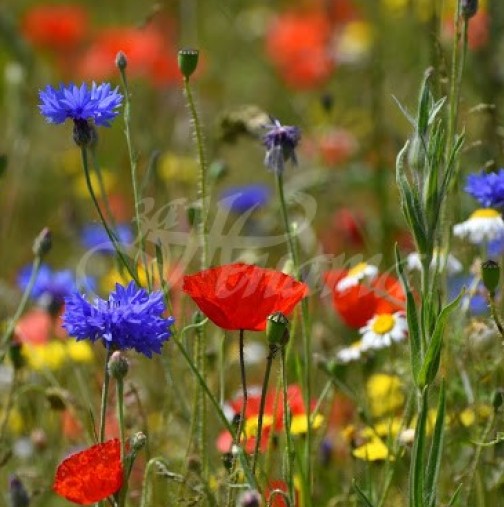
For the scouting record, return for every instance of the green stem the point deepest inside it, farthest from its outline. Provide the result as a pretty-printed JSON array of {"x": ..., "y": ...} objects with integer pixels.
[
  {"x": 288, "y": 436},
  {"x": 104, "y": 398},
  {"x": 244, "y": 389},
  {"x": 304, "y": 332},
  {"x": 109, "y": 231},
  {"x": 21, "y": 307},
  {"x": 264, "y": 392},
  {"x": 101, "y": 185},
  {"x": 133, "y": 169},
  {"x": 120, "y": 417},
  {"x": 495, "y": 315},
  {"x": 202, "y": 190},
  {"x": 9, "y": 404}
]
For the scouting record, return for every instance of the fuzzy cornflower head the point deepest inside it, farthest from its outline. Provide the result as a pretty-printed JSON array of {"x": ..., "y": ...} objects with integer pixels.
[
  {"x": 487, "y": 188},
  {"x": 281, "y": 142},
  {"x": 131, "y": 318}
]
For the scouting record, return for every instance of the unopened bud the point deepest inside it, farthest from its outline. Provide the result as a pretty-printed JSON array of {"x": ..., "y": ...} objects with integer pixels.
[
  {"x": 469, "y": 8},
  {"x": 249, "y": 498},
  {"x": 16, "y": 354},
  {"x": 121, "y": 61},
  {"x": 498, "y": 399},
  {"x": 18, "y": 495},
  {"x": 118, "y": 365},
  {"x": 188, "y": 61},
  {"x": 138, "y": 441},
  {"x": 277, "y": 331},
  {"x": 490, "y": 274},
  {"x": 43, "y": 242}
]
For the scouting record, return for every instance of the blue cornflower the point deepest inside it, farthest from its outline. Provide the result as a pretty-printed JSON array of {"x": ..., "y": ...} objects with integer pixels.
[
  {"x": 51, "y": 287},
  {"x": 244, "y": 198},
  {"x": 131, "y": 318},
  {"x": 280, "y": 142},
  {"x": 478, "y": 304},
  {"x": 94, "y": 236},
  {"x": 487, "y": 188},
  {"x": 80, "y": 104}
]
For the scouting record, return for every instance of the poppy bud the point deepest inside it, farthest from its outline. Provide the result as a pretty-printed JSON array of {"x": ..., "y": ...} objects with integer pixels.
[
  {"x": 18, "y": 495},
  {"x": 490, "y": 273},
  {"x": 276, "y": 329},
  {"x": 121, "y": 61},
  {"x": 498, "y": 399},
  {"x": 469, "y": 8},
  {"x": 138, "y": 441},
  {"x": 118, "y": 365},
  {"x": 188, "y": 61},
  {"x": 43, "y": 242},
  {"x": 16, "y": 354}
]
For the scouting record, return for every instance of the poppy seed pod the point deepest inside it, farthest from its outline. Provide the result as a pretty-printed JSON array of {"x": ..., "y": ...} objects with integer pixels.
[
  {"x": 277, "y": 331},
  {"x": 188, "y": 61},
  {"x": 490, "y": 274},
  {"x": 469, "y": 8}
]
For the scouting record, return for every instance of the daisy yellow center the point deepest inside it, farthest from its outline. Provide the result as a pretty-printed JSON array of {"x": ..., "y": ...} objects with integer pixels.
[
  {"x": 485, "y": 213},
  {"x": 383, "y": 323},
  {"x": 357, "y": 270}
]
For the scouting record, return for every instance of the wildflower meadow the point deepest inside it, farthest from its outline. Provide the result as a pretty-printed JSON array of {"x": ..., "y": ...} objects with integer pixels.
[{"x": 251, "y": 253}]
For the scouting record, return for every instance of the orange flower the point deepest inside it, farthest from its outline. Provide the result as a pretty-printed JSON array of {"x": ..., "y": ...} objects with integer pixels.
[
  {"x": 298, "y": 45},
  {"x": 91, "y": 475},
  {"x": 56, "y": 27},
  {"x": 241, "y": 296}
]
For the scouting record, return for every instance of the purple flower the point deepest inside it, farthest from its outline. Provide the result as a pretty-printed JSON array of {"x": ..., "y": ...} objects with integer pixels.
[
  {"x": 244, "y": 198},
  {"x": 18, "y": 495},
  {"x": 131, "y": 318},
  {"x": 280, "y": 142},
  {"x": 487, "y": 188},
  {"x": 80, "y": 104},
  {"x": 94, "y": 236}
]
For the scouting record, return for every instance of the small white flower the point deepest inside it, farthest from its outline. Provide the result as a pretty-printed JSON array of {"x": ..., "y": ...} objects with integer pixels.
[
  {"x": 484, "y": 224},
  {"x": 452, "y": 264},
  {"x": 351, "y": 353},
  {"x": 384, "y": 329},
  {"x": 356, "y": 275}
]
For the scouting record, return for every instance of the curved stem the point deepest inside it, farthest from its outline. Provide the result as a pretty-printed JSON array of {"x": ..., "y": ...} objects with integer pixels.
[
  {"x": 109, "y": 231},
  {"x": 287, "y": 423},
  {"x": 104, "y": 398},
  {"x": 244, "y": 389},
  {"x": 22, "y": 305},
  {"x": 269, "y": 362}
]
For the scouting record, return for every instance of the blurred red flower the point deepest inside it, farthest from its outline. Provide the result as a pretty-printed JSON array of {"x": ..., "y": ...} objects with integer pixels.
[
  {"x": 273, "y": 417},
  {"x": 148, "y": 50},
  {"x": 91, "y": 475},
  {"x": 359, "y": 303},
  {"x": 298, "y": 44},
  {"x": 57, "y": 27},
  {"x": 241, "y": 296},
  {"x": 278, "y": 500}
]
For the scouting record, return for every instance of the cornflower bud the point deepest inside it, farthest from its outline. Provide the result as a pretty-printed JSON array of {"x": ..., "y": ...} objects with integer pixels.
[
  {"x": 118, "y": 365},
  {"x": 121, "y": 61},
  {"x": 43, "y": 242},
  {"x": 490, "y": 274},
  {"x": 469, "y": 8}
]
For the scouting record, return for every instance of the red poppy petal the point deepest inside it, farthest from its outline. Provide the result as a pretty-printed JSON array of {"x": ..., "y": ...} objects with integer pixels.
[{"x": 91, "y": 475}]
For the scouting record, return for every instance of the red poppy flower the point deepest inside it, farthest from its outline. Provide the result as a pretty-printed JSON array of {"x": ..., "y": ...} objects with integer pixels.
[
  {"x": 148, "y": 52},
  {"x": 55, "y": 26},
  {"x": 91, "y": 475},
  {"x": 359, "y": 303},
  {"x": 298, "y": 44},
  {"x": 241, "y": 296}
]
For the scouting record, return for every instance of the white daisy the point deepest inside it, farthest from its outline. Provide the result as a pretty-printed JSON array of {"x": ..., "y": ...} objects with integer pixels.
[
  {"x": 484, "y": 224},
  {"x": 453, "y": 265},
  {"x": 350, "y": 353},
  {"x": 384, "y": 329},
  {"x": 356, "y": 275}
]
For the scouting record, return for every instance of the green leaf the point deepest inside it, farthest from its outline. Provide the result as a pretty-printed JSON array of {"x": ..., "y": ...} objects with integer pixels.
[
  {"x": 3, "y": 164},
  {"x": 415, "y": 340},
  {"x": 423, "y": 105},
  {"x": 436, "y": 451},
  {"x": 430, "y": 364},
  {"x": 435, "y": 110},
  {"x": 417, "y": 467},
  {"x": 404, "y": 111},
  {"x": 455, "y": 496},
  {"x": 362, "y": 496}
]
